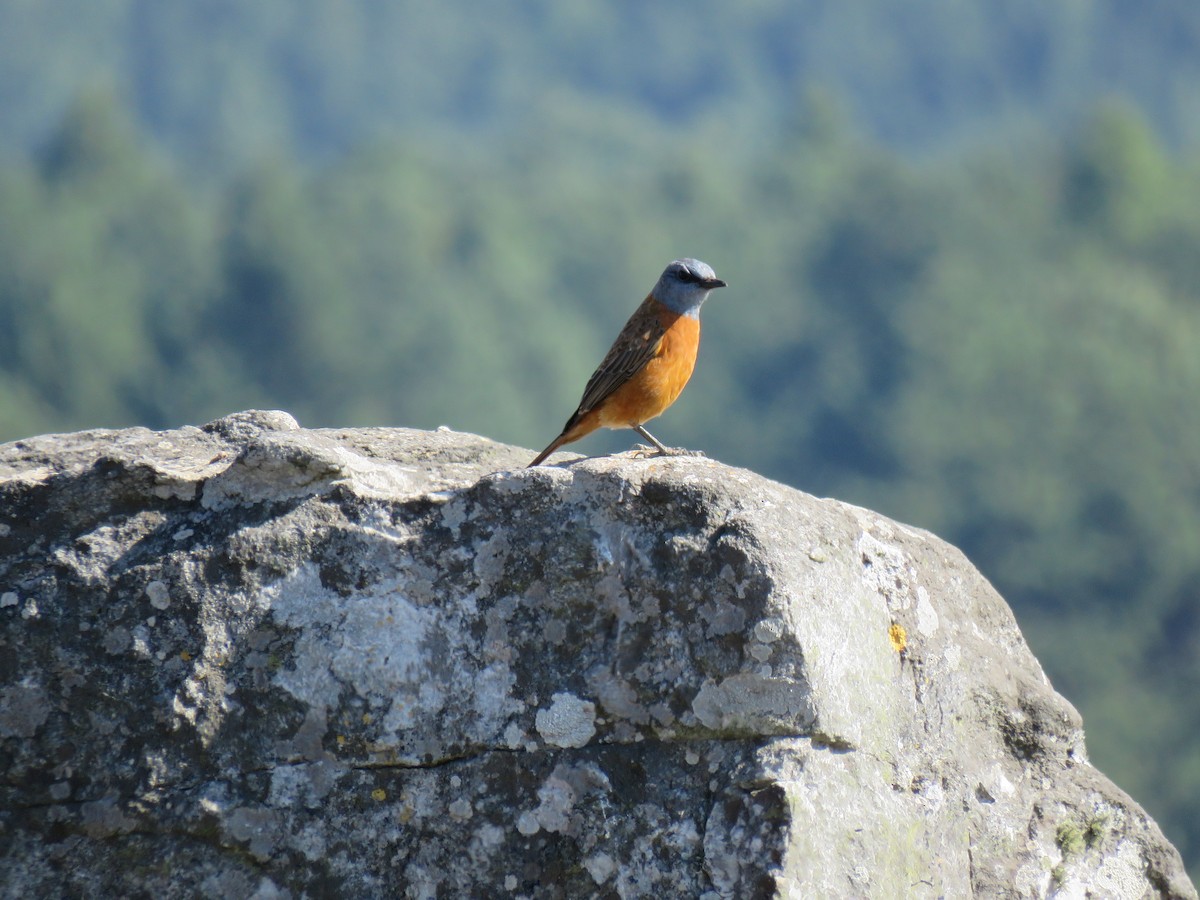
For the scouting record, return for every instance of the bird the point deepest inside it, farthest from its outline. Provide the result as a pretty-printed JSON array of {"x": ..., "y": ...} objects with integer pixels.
[{"x": 649, "y": 363}]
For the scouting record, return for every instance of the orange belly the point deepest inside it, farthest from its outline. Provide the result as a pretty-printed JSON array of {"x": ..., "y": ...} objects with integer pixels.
[{"x": 648, "y": 393}]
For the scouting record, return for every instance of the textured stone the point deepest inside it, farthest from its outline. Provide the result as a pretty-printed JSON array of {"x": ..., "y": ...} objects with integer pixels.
[{"x": 255, "y": 660}]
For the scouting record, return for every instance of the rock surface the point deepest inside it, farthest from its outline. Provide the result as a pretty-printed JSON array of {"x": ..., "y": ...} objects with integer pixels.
[{"x": 251, "y": 660}]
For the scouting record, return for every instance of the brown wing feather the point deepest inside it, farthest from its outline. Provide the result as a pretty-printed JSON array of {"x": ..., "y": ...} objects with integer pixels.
[{"x": 634, "y": 347}]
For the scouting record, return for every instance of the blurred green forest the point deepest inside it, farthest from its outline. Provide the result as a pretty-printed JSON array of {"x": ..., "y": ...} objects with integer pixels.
[{"x": 962, "y": 242}]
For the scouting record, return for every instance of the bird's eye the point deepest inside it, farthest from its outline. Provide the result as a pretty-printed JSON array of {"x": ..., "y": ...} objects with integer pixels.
[{"x": 688, "y": 276}]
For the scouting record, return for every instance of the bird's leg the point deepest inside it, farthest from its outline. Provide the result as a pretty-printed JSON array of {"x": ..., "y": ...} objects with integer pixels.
[
  {"x": 664, "y": 451},
  {"x": 652, "y": 439}
]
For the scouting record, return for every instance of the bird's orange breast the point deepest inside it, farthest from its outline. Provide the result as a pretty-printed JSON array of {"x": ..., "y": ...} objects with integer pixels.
[{"x": 658, "y": 383}]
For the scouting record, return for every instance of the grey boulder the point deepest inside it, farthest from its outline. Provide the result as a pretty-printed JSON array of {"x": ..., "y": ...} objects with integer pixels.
[{"x": 251, "y": 660}]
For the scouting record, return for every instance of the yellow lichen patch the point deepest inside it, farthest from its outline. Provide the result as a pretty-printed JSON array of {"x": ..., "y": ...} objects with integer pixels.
[
  {"x": 341, "y": 740},
  {"x": 1070, "y": 837},
  {"x": 185, "y": 656},
  {"x": 379, "y": 795},
  {"x": 898, "y": 636}
]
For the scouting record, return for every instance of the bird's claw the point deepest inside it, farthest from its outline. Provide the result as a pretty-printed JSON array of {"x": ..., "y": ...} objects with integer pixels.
[{"x": 645, "y": 451}]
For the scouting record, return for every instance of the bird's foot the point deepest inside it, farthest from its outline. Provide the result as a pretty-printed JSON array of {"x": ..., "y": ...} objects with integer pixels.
[{"x": 644, "y": 451}]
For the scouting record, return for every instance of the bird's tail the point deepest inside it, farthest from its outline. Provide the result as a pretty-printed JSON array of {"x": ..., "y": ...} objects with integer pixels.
[
  {"x": 577, "y": 426},
  {"x": 554, "y": 445}
]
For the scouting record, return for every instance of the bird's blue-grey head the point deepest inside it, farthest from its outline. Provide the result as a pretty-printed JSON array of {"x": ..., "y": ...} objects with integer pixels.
[{"x": 684, "y": 286}]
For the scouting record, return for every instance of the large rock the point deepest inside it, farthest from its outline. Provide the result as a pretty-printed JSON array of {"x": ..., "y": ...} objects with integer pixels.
[{"x": 253, "y": 660}]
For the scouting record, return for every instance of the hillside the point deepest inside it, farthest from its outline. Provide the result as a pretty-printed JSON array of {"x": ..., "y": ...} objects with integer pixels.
[{"x": 960, "y": 241}]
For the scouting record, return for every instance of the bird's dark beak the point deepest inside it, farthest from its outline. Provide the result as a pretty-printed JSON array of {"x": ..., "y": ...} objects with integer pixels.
[{"x": 714, "y": 283}]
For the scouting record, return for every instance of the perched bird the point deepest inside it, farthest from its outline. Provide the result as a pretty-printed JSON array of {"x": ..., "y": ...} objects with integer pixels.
[{"x": 651, "y": 360}]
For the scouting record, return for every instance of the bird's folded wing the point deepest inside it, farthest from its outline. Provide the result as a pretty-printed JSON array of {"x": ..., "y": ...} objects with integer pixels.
[{"x": 635, "y": 346}]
